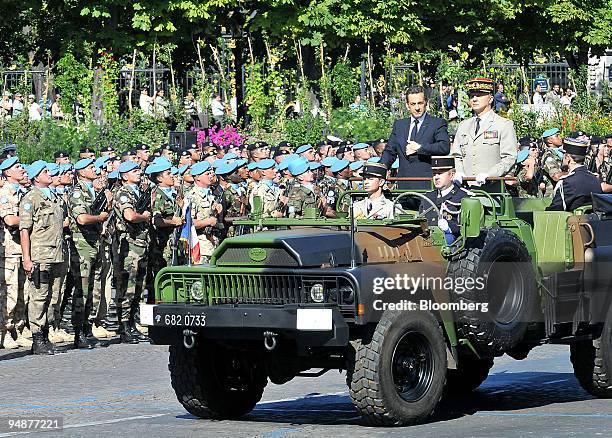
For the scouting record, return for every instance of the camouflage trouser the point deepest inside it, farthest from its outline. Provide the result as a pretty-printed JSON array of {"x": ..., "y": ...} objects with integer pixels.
[
  {"x": 84, "y": 261},
  {"x": 207, "y": 247},
  {"x": 44, "y": 303},
  {"x": 12, "y": 302},
  {"x": 103, "y": 275},
  {"x": 130, "y": 267}
]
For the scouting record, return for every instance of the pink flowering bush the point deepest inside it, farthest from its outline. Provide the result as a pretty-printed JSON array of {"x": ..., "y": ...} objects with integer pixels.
[{"x": 221, "y": 137}]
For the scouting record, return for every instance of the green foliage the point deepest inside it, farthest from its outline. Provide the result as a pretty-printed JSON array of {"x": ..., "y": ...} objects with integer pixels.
[
  {"x": 361, "y": 125},
  {"x": 257, "y": 98},
  {"x": 73, "y": 77},
  {"x": 108, "y": 75},
  {"x": 305, "y": 129},
  {"x": 344, "y": 83}
]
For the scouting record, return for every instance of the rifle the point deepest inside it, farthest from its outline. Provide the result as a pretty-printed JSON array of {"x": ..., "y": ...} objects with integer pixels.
[
  {"x": 218, "y": 229},
  {"x": 100, "y": 203},
  {"x": 144, "y": 201}
]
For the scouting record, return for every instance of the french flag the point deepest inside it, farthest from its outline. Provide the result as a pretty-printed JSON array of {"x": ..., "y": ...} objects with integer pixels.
[{"x": 189, "y": 234}]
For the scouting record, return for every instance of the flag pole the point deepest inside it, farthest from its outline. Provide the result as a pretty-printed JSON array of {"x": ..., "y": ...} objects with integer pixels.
[{"x": 189, "y": 232}]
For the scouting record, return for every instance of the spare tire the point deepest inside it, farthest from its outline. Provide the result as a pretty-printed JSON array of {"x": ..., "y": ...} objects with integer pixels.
[{"x": 503, "y": 277}]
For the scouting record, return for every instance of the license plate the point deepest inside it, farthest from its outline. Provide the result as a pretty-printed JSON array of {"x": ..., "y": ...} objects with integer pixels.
[
  {"x": 314, "y": 319},
  {"x": 174, "y": 320}
]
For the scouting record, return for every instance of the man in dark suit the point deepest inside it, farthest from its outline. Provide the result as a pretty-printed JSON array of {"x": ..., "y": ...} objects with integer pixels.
[{"x": 414, "y": 140}]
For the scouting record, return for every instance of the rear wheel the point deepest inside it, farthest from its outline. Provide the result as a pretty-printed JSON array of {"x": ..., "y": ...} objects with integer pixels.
[
  {"x": 592, "y": 361},
  {"x": 213, "y": 382},
  {"x": 469, "y": 375},
  {"x": 397, "y": 376}
]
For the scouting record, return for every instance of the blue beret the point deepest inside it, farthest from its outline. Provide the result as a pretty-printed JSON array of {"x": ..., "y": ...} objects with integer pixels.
[
  {"x": 314, "y": 165},
  {"x": 183, "y": 169},
  {"x": 35, "y": 168},
  {"x": 160, "y": 166},
  {"x": 522, "y": 155},
  {"x": 303, "y": 148},
  {"x": 374, "y": 160},
  {"x": 339, "y": 165},
  {"x": 550, "y": 132},
  {"x": 360, "y": 146},
  {"x": 174, "y": 170},
  {"x": 53, "y": 169},
  {"x": 218, "y": 162},
  {"x": 230, "y": 156},
  {"x": 329, "y": 161},
  {"x": 241, "y": 162},
  {"x": 101, "y": 161},
  {"x": 161, "y": 160},
  {"x": 66, "y": 167},
  {"x": 113, "y": 175},
  {"x": 127, "y": 166},
  {"x": 298, "y": 167},
  {"x": 8, "y": 163},
  {"x": 199, "y": 168},
  {"x": 83, "y": 163},
  {"x": 288, "y": 159},
  {"x": 266, "y": 164},
  {"x": 253, "y": 166},
  {"x": 356, "y": 165},
  {"x": 395, "y": 164},
  {"x": 226, "y": 168}
]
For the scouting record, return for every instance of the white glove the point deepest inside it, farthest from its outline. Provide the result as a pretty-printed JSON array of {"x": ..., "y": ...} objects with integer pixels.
[
  {"x": 443, "y": 225},
  {"x": 481, "y": 178},
  {"x": 458, "y": 178}
]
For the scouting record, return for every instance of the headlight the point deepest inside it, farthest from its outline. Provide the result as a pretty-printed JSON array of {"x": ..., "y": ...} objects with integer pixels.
[
  {"x": 196, "y": 291},
  {"x": 316, "y": 293}
]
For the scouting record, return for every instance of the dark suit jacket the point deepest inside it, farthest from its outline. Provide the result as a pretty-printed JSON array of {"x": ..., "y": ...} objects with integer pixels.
[{"x": 433, "y": 138}]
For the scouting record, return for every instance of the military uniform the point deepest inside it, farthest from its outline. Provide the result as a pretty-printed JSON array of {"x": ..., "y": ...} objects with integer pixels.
[
  {"x": 526, "y": 188},
  {"x": 605, "y": 171},
  {"x": 162, "y": 242},
  {"x": 551, "y": 165},
  {"x": 448, "y": 202},
  {"x": 269, "y": 194},
  {"x": 574, "y": 190},
  {"x": 130, "y": 254},
  {"x": 202, "y": 201},
  {"x": 342, "y": 186},
  {"x": 378, "y": 208},
  {"x": 12, "y": 299},
  {"x": 40, "y": 212},
  {"x": 301, "y": 197}
]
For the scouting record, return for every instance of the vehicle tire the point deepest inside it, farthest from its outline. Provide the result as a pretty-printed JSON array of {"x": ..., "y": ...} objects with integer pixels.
[
  {"x": 469, "y": 375},
  {"x": 397, "y": 375},
  {"x": 510, "y": 290},
  {"x": 212, "y": 382},
  {"x": 592, "y": 361}
]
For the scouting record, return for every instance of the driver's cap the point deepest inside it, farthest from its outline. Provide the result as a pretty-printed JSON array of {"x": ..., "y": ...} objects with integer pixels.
[{"x": 445, "y": 162}]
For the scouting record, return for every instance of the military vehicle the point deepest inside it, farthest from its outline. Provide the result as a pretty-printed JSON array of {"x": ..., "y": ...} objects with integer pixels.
[{"x": 297, "y": 295}]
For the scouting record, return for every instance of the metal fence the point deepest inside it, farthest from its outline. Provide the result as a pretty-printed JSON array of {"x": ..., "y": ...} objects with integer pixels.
[{"x": 554, "y": 72}]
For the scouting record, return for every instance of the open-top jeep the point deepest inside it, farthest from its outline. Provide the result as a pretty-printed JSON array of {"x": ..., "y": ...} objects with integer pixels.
[{"x": 313, "y": 293}]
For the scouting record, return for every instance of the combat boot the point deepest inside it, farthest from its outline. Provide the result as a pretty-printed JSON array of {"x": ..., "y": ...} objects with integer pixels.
[
  {"x": 137, "y": 333},
  {"x": 54, "y": 348},
  {"x": 125, "y": 334},
  {"x": 80, "y": 339},
  {"x": 7, "y": 342},
  {"x": 39, "y": 346},
  {"x": 93, "y": 340}
]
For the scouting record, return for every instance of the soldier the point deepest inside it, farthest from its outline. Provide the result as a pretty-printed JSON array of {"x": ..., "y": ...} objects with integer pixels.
[
  {"x": 485, "y": 144},
  {"x": 376, "y": 205},
  {"x": 362, "y": 152},
  {"x": 142, "y": 154},
  {"x": 273, "y": 201},
  {"x": 86, "y": 152},
  {"x": 341, "y": 171},
  {"x": 258, "y": 151},
  {"x": 61, "y": 157},
  {"x": 204, "y": 209},
  {"x": 130, "y": 250},
  {"x": 605, "y": 169},
  {"x": 356, "y": 168},
  {"x": 446, "y": 196},
  {"x": 302, "y": 195},
  {"x": 233, "y": 190},
  {"x": 306, "y": 151},
  {"x": 88, "y": 211},
  {"x": 107, "y": 151},
  {"x": 41, "y": 219},
  {"x": 550, "y": 162},
  {"x": 167, "y": 216},
  {"x": 12, "y": 299},
  {"x": 574, "y": 189},
  {"x": 526, "y": 184}
]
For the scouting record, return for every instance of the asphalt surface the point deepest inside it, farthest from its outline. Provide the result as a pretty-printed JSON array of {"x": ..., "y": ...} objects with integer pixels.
[{"x": 124, "y": 390}]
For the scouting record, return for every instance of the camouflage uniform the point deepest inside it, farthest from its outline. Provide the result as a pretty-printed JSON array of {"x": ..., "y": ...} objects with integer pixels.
[
  {"x": 327, "y": 188},
  {"x": 301, "y": 197},
  {"x": 85, "y": 256},
  {"x": 342, "y": 186},
  {"x": 202, "y": 201},
  {"x": 233, "y": 197},
  {"x": 604, "y": 171},
  {"x": 129, "y": 254},
  {"x": 12, "y": 300},
  {"x": 42, "y": 214},
  {"x": 161, "y": 238},
  {"x": 551, "y": 165},
  {"x": 269, "y": 193},
  {"x": 526, "y": 189}
]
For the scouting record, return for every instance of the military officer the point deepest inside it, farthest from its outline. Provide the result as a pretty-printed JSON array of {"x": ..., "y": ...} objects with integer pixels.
[
  {"x": 129, "y": 250},
  {"x": 86, "y": 219},
  {"x": 273, "y": 201},
  {"x": 41, "y": 219},
  {"x": 204, "y": 210},
  {"x": 574, "y": 189},
  {"x": 376, "y": 205},
  {"x": 302, "y": 195},
  {"x": 12, "y": 299},
  {"x": 605, "y": 169},
  {"x": 446, "y": 196},
  {"x": 550, "y": 162},
  {"x": 485, "y": 144}
]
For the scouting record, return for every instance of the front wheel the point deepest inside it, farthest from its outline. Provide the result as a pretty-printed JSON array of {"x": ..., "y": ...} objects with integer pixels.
[
  {"x": 213, "y": 382},
  {"x": 398, "y": 375}
]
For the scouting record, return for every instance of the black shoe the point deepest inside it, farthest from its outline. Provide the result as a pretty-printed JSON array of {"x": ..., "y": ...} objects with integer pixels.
[
  {"x": 54, "y": 348},
  {"x": 39, "y": 346},
  {"x": 137, "y": 333},
  {"x": 91, "y": 339},
  {"x": 80, "y": 341},
  {"x": 125, "y": 334}
]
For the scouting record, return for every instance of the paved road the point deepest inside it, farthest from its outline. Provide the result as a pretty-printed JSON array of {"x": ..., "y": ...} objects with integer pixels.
[{"x": 124, "y": 390}]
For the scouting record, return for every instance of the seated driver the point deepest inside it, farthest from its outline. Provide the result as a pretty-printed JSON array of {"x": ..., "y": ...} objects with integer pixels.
[
  {"x": 447, "y": 197},
  {"x": 375, "y": 206}
]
